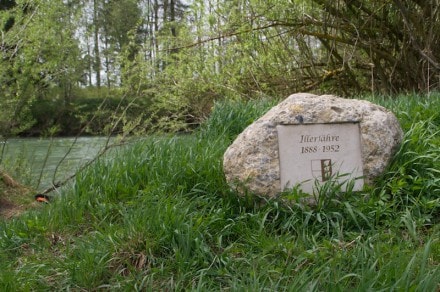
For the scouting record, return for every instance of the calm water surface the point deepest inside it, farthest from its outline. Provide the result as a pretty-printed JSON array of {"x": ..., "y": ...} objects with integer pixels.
[{"x": 41, "y": 162}]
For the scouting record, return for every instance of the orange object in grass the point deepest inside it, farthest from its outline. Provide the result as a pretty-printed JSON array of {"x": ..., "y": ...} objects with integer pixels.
[{"x": 42, "y": 198}]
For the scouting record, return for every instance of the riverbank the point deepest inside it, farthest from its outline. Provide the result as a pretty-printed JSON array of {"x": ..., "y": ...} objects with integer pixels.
[
  {"x": 93, "y": 112},
  {"x": 160, "y": 216},
  {"x": 14, "y": 197},
  {"x": 42, "y": 162}
]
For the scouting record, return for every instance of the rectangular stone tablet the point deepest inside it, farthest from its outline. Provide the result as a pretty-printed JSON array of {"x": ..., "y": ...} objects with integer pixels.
[{"x": 312, "y": 154}]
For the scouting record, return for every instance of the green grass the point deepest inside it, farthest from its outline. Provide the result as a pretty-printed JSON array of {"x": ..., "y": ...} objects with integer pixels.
[{"x": 160, "y": 216}]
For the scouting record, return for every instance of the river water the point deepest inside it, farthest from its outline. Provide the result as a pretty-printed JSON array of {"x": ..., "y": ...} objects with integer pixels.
[{"x": 40, "y": 162}]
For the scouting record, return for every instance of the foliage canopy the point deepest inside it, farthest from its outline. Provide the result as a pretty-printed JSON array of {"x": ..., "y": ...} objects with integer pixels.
[{"x": 175, "y": 58}]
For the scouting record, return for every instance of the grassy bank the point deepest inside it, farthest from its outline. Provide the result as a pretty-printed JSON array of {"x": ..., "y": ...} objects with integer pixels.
[{"x": 160, "y": 216}]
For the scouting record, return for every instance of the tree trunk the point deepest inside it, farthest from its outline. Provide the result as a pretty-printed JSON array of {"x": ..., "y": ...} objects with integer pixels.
[
  {"x": 173, "y": 18},
  {"x": 96, "y": 44}
]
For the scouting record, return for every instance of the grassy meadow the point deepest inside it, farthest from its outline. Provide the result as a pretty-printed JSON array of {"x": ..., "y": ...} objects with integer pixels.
[{"x": 160, "y": 216}]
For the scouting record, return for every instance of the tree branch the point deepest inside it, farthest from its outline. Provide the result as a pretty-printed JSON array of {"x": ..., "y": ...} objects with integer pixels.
[
  {"x": 413, "y": 39},
  {"x": 83, "y": 167},
  {"x": 225, "y": 35}
]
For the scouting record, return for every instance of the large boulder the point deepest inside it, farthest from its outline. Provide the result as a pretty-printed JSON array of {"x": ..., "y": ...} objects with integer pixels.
[{"x": 252, "y": 162}]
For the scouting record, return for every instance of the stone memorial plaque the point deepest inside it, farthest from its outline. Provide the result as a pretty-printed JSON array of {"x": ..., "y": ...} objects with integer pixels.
[
  {"x": 314, "y": 153},
  {"x": 310, "y": 138}
]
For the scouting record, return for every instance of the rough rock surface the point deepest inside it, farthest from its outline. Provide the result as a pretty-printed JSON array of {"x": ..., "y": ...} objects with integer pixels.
[{"x": 252, "y": 161}]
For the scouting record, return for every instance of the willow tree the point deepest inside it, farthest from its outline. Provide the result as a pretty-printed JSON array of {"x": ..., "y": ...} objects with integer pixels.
[
  {"x": 40, "y": 59},
  {"x": 393, "y": 43},
  {"x": 357, "y": 45},
  {"x": 344, "y": 46}
]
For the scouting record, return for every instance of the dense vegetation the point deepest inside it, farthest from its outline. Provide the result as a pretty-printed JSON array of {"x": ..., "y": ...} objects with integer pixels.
[
  {"x": 172, "y": 59},
  {"x": 160, "y": 216}
]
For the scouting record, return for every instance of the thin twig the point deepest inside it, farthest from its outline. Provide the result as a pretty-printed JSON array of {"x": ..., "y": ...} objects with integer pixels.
[
  {"x": 83, "y": 167},
  {"x": 222, "y": 36}
]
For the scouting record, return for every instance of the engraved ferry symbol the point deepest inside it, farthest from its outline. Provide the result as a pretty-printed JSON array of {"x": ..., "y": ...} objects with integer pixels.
[{"x": 322, "y": 169}]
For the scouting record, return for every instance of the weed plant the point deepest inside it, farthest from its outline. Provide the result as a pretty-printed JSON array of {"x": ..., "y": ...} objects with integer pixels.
[{"x": 160, "y": 216}]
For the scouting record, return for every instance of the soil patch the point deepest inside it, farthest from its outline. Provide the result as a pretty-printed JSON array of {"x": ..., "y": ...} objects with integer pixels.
[
  {"x": 14, "y": 197},
  {"x": 9, "y": 209}
]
